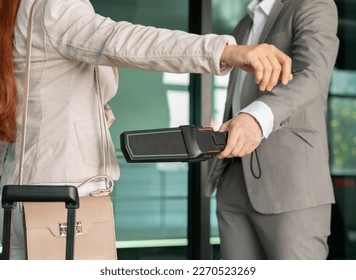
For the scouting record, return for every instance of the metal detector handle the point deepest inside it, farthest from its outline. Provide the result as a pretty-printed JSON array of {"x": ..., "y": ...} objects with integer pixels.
[{"x": 186, "y": 143}]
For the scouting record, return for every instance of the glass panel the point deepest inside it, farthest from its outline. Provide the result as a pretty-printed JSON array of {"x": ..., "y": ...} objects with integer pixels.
[
  {"x": 226, "y": 14},
  {"x": 150, "y": 200},
  {"x": 342, "y": 118}
]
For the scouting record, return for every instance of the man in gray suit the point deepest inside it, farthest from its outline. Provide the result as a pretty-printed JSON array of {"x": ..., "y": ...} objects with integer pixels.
[{"x": 274, "y": 191}]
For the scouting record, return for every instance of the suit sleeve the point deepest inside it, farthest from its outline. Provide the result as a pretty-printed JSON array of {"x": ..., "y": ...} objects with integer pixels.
[
  {"x": 77, "y": 32},
  {"x": 314, "y": 52}
]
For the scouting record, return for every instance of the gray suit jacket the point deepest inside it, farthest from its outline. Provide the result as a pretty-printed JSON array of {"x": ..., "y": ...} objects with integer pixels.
[{"x": 294, "y": 158}]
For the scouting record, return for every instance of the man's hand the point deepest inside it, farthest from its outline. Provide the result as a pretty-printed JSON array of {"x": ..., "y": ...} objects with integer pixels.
[
  {"x": 244, "y": 136},
  {"x": 267, "y": 63}
]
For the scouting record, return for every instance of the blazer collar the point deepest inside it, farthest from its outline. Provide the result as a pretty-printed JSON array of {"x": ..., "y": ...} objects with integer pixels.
[
  {"x": 241, "y": 34},
  {"x": 243, "y": 30},
  {"x": 277, "y": 7}
]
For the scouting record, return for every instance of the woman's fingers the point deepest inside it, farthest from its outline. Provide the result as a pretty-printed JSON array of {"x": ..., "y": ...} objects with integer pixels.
[{"x": 267, "y": 62}]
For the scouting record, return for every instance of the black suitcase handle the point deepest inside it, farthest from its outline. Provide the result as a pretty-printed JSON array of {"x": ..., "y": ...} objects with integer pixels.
[
  {"x": 12, "y": 194},
  {"x": 39, "y": 193}
]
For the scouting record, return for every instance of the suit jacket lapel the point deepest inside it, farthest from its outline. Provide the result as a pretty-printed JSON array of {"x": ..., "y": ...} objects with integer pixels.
[
  {"x": 241, "y": 34},
  {"x": 242, "y": 30},
  {"x": 277, "y": 7}
]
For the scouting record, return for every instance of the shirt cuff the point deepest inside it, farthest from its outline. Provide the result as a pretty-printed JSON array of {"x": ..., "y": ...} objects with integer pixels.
[{"x": 263, "y": 114}]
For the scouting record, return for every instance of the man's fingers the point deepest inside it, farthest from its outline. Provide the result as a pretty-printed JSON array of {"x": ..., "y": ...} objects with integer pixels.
[
  {"x": 232, "y": 141},
  {"x": 244, "y": 136},
  {"x": 238, "y": 147},
  {"x": 241, "y": 149}
]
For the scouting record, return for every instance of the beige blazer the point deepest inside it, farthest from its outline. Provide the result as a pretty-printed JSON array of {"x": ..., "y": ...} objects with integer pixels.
[
  {"x": 294, "y": 159},
  {"x": 63, "y": 134}
]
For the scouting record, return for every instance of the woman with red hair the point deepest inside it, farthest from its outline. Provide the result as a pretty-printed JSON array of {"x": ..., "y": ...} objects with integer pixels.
[{"x": 8, "y": 96}]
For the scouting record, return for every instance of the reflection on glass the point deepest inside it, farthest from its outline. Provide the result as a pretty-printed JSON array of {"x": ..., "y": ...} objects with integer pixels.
[
  {"x": 343, "y": 82},
  {"x": 226, "y": 14},
  {"x": 342, "y": 118}
]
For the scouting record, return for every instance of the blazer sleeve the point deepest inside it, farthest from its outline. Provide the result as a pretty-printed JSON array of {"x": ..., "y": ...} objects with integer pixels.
[
  {"x": 3, "y": 152},
  {"x": 76, "y": 32},
  {"x": 314, "y": 51}
]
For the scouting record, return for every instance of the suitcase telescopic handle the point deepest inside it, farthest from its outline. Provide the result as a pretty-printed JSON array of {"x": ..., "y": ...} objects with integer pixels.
[
  {"x": 11, "y": 194},
  {"x": 39, "y": 193}
]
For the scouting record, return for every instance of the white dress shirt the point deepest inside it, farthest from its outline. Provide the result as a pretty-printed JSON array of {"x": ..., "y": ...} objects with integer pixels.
[{"x": 258, "y": 11}]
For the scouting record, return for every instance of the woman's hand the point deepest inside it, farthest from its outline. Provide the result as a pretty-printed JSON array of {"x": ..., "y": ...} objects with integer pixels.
[{"x": 267, "y": 63}]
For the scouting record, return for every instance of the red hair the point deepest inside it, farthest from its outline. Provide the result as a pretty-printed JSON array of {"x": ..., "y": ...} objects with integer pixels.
[{"x": 8, "y": 95}]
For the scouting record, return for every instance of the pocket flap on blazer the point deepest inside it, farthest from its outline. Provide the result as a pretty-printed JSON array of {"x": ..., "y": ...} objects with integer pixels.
[{"x": 309, "y": 136}]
